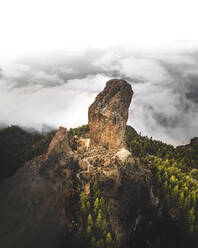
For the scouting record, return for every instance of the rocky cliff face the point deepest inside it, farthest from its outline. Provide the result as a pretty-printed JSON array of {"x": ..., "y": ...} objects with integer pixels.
[
  {"x": 39, "y": 205},
  {"x": 109, "y": 113}
]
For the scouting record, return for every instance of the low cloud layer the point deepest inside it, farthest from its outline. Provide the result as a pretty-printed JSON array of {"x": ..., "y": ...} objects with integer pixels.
[{"x": 57, "y": 89}]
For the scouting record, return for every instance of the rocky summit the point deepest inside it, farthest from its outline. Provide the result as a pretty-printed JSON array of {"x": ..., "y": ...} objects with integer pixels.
[
  {"x": 89, "y": 188},
  {"x": 108, "y": 114},
  {"x": 40, "y": 204}
]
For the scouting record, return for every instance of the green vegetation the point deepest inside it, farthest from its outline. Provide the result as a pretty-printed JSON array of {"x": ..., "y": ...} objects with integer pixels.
[
  {"x": 178, "y": 191},
  {"x": 141, "y": 146},
  {"x": 175, "y": 177},
  {"x": 18, "y": 146},
  {"x": 79, "y": 131},
  {"x": 94, "y": 219},
  {"x": 186, "y": 157}
]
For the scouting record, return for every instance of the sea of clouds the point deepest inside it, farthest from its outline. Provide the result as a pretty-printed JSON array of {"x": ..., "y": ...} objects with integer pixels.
[{"x": 56, "y": 88}]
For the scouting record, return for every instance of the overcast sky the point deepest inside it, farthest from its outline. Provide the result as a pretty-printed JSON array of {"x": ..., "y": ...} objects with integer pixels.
[{"x": 55, "y": 56}]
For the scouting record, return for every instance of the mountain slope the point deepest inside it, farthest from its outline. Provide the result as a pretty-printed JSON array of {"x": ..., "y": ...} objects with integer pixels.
[{"x": 18, "y": 146}]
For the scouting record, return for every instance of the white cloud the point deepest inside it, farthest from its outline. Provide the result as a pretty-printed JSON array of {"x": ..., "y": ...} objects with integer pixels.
[
  {"x": 59, "y": 92},
  {"x": 143, "y": 69},
  {"x": 65, "y": 105}
]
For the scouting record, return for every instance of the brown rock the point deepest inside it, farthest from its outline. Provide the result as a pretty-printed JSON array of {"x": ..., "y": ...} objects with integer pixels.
[
  {"x": 83, "y": 164},
  {"x": 109, "y": 113},
  {"x": 87, "y": 188},
  {"x": 79, "y": 144},
  {"x": 107, "y": 162},
  {"x": 60, "y": 142}
]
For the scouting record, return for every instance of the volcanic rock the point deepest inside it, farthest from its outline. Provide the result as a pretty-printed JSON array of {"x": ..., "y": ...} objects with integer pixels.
[{"x": 109, "y": 113}]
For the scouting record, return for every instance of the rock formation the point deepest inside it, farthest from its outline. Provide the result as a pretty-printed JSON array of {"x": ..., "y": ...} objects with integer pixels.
[
  {"x": 109, "y": 113},
  {"x": 40, "y": 204}
]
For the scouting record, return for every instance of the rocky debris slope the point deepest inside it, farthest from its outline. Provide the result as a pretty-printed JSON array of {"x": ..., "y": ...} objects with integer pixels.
[
  {"x": 125, "y": 185},
  {"x": 109, "y": 113}
]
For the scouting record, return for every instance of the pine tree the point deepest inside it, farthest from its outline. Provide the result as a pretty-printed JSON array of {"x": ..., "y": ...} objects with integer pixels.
[
  {"x": 99, "y": 220},
  {"x": 83, "y": 207},
  {"x": 174, "y": 194},
  {"x": 88, "y": 205},
  {"x": 97, "y": 194},
  {"x": 187, "y": 202},
  {"x": 104, "y": 227},
  {"x": 90, "y": 220},
  {"x": 172, "y": 180},
  {"x": 109, "y": 240},
  {"x": 95, "y": 187},
  {"x": 83, "y": 197},
  {"x": 181, "y": 200},
  {"x": 102, "y": 204},
  {"x": 100, "y": 212},
  {"x": 89, "y": 230},
  {"x": 96, "y": 205}
]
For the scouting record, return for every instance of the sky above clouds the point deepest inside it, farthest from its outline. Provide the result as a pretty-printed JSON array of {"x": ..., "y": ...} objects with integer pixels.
[
  {"x": 56, "y": 56},
  {"x": 42, "y": 25}
]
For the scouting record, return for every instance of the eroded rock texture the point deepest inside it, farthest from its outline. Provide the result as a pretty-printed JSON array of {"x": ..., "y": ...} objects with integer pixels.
[{"x": 109, "y": 113}]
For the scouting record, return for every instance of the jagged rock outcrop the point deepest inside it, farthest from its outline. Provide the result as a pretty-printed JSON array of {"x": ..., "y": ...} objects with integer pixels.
[
  {"x": 109, "y": 113},
  {"x": 39, "y": 204},
  {"x": 60, "y": 142}
]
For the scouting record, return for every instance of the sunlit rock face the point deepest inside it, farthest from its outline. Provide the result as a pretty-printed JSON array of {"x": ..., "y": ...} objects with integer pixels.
[{"x": 109, "y": 113}]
